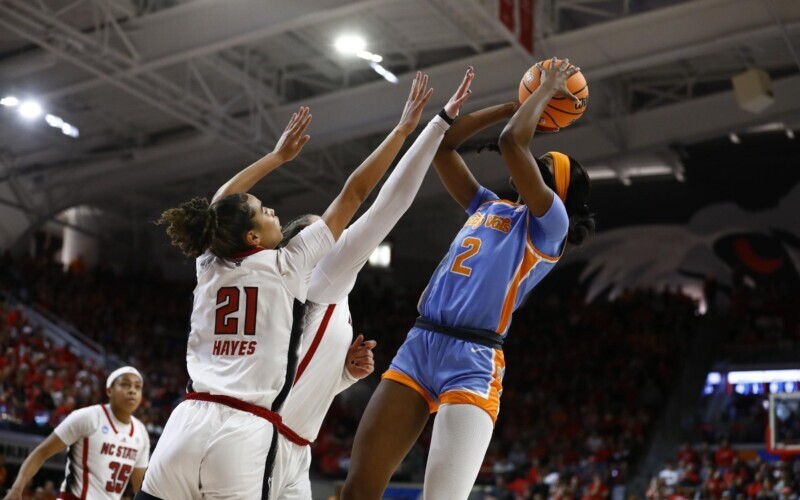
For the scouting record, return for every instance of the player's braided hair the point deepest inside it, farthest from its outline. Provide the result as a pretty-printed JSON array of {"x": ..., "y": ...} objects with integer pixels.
[{"x": 195, "y": 226}]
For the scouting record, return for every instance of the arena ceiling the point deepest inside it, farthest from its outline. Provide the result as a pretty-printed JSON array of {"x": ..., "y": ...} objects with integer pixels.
[{"x": 173, "y": 96}]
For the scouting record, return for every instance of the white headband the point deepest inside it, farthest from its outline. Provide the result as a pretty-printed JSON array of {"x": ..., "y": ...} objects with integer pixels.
[{"x": 122, "y": 371}]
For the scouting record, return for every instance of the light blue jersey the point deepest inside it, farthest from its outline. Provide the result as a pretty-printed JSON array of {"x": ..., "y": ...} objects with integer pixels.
[{"x": 499, "y": 255}]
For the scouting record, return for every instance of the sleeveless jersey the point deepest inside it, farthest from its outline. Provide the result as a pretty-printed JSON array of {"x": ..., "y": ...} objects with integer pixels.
[
  {"x": 102, "y": 452},
  {"x": 493, "y": 263},
  {"x": 245, "y": 321}
]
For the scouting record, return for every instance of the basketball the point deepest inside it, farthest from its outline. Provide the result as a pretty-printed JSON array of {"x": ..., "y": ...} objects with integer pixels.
[{"x": 560, "y": 111}]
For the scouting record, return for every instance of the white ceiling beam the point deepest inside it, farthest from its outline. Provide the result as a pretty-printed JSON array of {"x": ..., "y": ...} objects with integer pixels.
[
  {"x": 602, "y": 50},
  {"x": 648, "y": 132},
  {"x": 206, "y": 27}
]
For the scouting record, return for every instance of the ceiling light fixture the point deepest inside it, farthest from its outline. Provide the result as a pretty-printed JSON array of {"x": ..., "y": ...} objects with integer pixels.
[
  {"x": 30, "y": 109},
  {"x": 356, "y": 45},
  {"x": 9, "y": 101},
  {"x": 350, "y": 44}
]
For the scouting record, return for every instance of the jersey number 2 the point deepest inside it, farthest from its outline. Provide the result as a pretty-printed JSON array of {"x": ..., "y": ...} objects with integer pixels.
[
  {"x": 472, "y": 245},
  {"x": 228, "y": 303},
  {"x": 119, "y": 477}
]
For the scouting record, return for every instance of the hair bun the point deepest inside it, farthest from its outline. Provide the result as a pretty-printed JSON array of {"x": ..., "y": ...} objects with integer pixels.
[{"x": 581, "y": 225}]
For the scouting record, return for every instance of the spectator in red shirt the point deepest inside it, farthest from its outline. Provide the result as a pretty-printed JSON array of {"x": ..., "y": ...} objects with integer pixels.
[
  {"x": 724, "y": 455},
  {"x": 597, "y": 489},
  {"x": 714, "y": 485},
  {"x": 687, "y": 455},
  {"x": 754, "y": 488}
]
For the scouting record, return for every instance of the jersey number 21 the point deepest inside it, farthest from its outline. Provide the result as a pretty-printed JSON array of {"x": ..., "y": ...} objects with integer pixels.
[{"x": 228, "y": 303}]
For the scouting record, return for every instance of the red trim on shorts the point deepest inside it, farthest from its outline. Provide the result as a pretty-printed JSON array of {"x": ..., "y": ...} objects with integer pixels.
[
  {"x": 85, "y": 463},
  {"x": 109, "y": 418},
  {"x": 258, "y": 411},
  {"x": 315, "y": 343}
]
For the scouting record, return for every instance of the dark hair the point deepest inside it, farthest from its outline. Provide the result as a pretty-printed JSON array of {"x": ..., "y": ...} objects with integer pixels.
[
  {"x": 195, "y": 226},
  {"x": 293, "y": 227},
  {"x": 581, "y": 218}
]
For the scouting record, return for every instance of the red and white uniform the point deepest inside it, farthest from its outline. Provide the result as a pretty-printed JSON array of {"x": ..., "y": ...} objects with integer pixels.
[
  {"x": 245, "y": 335},
  {"x": 102, "y": 452},
  {"x": 327, "y": 328}
]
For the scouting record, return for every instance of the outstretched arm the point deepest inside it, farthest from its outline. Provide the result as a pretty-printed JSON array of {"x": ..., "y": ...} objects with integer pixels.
[
  {"x": 46, "y": 449},
  {"x": 289, "y": 145},
  {"x": 520, "y": 129},
  {"x": 336, "y": 273},
  {"x": 364, "y": 179},
  {"x": 451, "y": 168}
]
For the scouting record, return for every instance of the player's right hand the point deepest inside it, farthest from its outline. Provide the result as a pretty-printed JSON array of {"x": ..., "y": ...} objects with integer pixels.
[
  {"x": 418, "y": 97},
  {"x": 294, "y": 136},
  {"x": 557, "y": 77}
]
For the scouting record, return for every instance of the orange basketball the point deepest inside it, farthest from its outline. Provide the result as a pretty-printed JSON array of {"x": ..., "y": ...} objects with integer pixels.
[{"x": 560, "y": 111}]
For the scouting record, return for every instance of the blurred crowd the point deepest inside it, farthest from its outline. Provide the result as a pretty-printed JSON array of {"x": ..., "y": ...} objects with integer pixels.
[
  {"x": 135, "y": 315},
  {"x": 584, "y": 386},
  {"x": 722, "y": 472}
]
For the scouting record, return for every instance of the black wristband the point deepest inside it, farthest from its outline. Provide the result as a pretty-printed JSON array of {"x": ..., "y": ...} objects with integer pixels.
[{"x": 446, "y": 118}]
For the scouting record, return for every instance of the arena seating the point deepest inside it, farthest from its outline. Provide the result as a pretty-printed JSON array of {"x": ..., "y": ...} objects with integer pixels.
[{"x": 583, "y": 387}]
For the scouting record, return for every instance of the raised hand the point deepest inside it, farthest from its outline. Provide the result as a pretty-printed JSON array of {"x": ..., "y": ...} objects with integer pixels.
[
  {"x": 462, "y": 94},
  {"x": 293, "y": 138},
  {"x": 359, "y": 360},
  {"x": 417, "y": 99},
  {"x": 557, "y": 76}
]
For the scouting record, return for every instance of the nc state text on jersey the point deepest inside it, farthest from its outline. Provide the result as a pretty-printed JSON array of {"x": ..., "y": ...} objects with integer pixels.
[{"x": 122, "y": 452}]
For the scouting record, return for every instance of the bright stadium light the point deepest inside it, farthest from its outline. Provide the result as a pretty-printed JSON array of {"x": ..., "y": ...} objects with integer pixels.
[
  {"x": 385, "y": 73},
  {"x": 355, "y": 45},
  {"x": 369, "y": 56},
  {"x": 381, "y": 256},
  {"x": 350, "y": 44},
  {"x": 70, "y": 130},
  {"x": 30, "y": 109},
  {"x": 53, "y": 120}
]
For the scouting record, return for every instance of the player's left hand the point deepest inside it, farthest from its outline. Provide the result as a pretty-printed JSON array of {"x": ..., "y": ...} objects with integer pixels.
[
  {"x": 359, "y": 360},
  {"x": 418, "y": 97}
]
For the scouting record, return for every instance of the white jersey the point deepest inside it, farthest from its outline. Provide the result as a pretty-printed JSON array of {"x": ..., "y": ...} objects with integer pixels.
[
  {"x": 102, "y": 452},
  {"x": 321, "y": 375},
  {"x": 327, "y": 328},
  {"x": 245, "y": 321}
]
